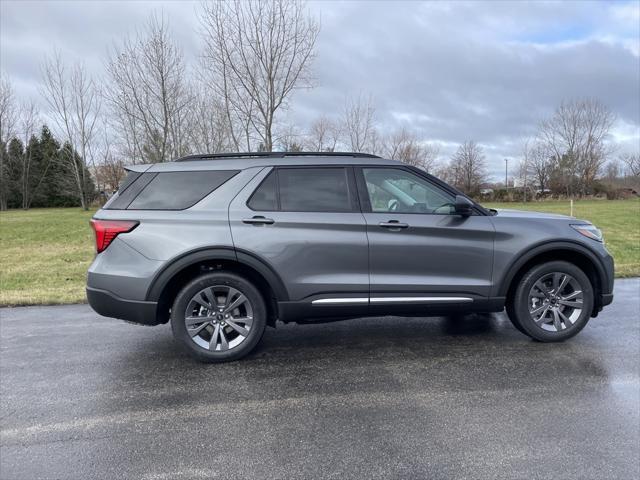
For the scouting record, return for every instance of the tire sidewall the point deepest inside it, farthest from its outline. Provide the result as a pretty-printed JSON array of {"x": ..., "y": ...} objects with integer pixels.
[
  {"x": 521, "y": 307},
  {"x": 179, "y": 307},
  {"x": 511, "y": 314}
]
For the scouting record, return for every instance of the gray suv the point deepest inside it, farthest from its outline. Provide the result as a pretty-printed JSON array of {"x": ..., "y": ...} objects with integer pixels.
[{"x": 223, "y": 245}]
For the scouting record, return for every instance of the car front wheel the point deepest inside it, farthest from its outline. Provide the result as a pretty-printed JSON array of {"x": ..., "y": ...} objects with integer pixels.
[
  {"x": 218, "y": 317},
  {"x": 553, "y": 302}
]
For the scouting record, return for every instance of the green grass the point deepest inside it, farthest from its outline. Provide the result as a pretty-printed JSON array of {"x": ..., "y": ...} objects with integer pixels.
[
  {"x": 45, "y": 253},
  {"x": 619, "y": 221}
]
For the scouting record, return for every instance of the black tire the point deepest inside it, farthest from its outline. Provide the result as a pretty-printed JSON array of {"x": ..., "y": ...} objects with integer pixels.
[
  {"x": 511, "y": 314},
  {"x": 518, "y": 309},
  {"x": 218, "y": 279}
]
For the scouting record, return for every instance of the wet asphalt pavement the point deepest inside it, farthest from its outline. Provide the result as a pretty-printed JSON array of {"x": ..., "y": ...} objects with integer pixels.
[{"x": 89, "y": 397}]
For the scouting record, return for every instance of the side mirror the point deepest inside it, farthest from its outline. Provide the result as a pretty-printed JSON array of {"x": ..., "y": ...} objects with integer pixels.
[{"x": 463, "y": 206}]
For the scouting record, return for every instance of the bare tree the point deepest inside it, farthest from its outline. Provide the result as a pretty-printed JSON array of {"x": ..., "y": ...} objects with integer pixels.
[
  {"x": 468, "y": 168},
  {"x": 539, "y": 164},
  {"x": 358, "y": 124},
  {"x": 575, "y": 137},
  {"x": 257, "y": 52},
  {"x": 74, "y": 101},
  {"x": 149, "y": 95},
  {"x": 405, "y": 146},
  {"x": 8, "y": 111},
  {"x": 523, "y": 176},
  {"x": 209, "y": 129},
  {"x": 632, "y": 162},
  {"x": 8, "y": 119},
  {"x": 323, "y": 135},
  {"x": 110, "y": 173},
  {"x": 290, "y": 139},
  {"x": 612, "y": 171}
]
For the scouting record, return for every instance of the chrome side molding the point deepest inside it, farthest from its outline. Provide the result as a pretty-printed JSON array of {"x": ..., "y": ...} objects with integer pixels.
[
  {"x": 358, "y": 300},
  {"x": 339, "y": 301},
  {"x": 420, "y": 299}
]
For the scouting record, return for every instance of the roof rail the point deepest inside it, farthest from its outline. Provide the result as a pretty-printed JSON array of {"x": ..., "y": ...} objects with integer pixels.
[{"x": 213, "y": 156}]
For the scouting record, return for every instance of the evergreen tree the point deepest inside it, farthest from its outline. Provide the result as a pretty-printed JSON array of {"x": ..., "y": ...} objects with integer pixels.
[
  {"x": 43, "y": 154},
  {"x": 14, "y": 156}
]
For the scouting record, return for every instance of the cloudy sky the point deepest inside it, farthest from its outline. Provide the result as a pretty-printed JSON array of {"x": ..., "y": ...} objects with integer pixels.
[{"x": 487, "y": 71}]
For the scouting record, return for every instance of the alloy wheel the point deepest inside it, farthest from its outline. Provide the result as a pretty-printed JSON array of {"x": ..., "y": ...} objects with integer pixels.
[
  {"x": 219, "y": 318},
  {"x": 555, "y": 301}
]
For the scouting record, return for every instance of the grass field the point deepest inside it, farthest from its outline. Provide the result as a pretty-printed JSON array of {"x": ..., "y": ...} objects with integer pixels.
[{"x": 44, "y": 253}]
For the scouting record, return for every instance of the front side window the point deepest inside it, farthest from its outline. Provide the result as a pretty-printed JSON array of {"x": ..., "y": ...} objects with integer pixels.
[{"x": 400, "y": 191}]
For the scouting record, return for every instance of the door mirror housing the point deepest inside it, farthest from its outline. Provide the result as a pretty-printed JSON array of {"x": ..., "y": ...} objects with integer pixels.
[{"x": 463, "y": 206}]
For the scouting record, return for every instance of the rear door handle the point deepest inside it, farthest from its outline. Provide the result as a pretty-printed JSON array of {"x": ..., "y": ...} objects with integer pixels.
[
  {"x": 393, "y": 224},
  {"x": 258, "y": 220}
]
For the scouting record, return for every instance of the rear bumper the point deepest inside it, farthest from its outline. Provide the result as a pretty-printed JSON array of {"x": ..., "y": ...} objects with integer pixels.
[{"x": 109, "y": 305}]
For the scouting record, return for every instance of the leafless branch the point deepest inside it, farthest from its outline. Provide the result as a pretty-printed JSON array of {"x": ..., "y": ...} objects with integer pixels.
[{"x": 257, "y": 52}]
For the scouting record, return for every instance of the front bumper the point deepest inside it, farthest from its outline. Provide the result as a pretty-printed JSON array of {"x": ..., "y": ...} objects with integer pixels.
[{"x": 109, "y": 305}]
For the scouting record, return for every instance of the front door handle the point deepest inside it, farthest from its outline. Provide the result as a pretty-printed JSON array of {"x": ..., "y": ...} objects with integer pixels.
[
  {"x": 258, "y": 220},
  {"x": 393, "y": 224}
]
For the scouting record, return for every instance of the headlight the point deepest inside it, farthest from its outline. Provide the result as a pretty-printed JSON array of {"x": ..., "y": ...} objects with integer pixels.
[{"x": 589, "y": 231}]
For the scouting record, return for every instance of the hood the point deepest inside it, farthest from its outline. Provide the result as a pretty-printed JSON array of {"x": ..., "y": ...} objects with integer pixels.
[{"x": 527, "y": 214}]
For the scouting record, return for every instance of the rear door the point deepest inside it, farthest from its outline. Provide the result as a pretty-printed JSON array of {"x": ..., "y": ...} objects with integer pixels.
[
  {"x": 419, "y": 251},
  {"x": 305, "y": 223}
]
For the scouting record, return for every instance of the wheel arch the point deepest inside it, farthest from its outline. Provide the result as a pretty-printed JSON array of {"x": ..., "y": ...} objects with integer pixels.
[
  {"x": 168, "y": 282},
  {"x": 561, "y": 250}
]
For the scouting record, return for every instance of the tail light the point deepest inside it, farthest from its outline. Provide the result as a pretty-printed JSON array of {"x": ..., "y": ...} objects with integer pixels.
[{"x": 107, "y": 230}]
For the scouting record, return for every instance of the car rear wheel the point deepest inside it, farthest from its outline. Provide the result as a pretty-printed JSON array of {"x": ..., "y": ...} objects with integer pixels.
[
  {"x": 218, "y": 317},
  {"x": 553, "y": 302}
]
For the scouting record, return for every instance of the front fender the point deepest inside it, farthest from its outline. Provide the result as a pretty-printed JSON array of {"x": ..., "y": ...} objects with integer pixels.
[{"x": 548, "y": 247}]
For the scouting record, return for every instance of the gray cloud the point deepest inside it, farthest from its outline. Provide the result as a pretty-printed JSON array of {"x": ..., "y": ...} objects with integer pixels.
[{"x": 451, "y": 71}]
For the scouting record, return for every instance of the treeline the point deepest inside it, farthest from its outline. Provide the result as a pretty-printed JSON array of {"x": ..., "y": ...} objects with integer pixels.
[
  {"x": 40, "y": 173},
  {"x": 149, "y": 105}
]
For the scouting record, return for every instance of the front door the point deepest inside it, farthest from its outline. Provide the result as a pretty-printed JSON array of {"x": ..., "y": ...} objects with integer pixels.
[{"x": 419, "y": 250}]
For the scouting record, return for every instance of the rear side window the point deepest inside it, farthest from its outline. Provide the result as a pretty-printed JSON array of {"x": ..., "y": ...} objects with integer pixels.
[
  {"x": 303, "y": 190},
  {"x": 313, "y": 190},
  {"x": 170, "y": 190},
  {"x": 179, "y": 190},
  {"x": 128, "y": 191},
  {"x": 128, "y": 180}
]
